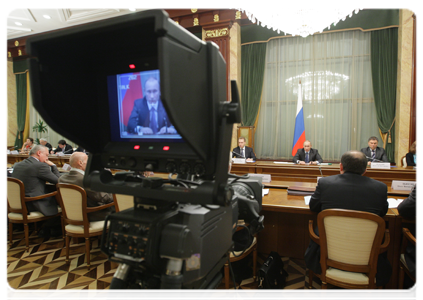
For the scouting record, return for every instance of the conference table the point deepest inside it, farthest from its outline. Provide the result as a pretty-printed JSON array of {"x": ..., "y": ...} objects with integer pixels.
[{"x": 286, "y": 216}]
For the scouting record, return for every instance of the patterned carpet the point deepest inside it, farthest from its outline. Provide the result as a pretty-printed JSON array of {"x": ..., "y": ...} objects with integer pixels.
[{"x": 42, "y": 273}]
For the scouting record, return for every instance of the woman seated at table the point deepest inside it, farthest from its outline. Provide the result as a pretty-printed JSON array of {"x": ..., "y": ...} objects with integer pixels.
[
  {"x": 411, "y": 156},
  {"x": 28, "y": 145}
]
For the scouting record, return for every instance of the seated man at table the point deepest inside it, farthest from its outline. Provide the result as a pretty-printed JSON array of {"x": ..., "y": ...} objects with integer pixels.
[
  {"x": 243, "y": 151},
  {"x": 44, "y": 142},
  {"x": 373, "y": 152},
  {"x": 350, "y": 190},
  {"x": 63, "y": 147},
  {"x": 34, "y": 172},
  {"x": 307, "y": 155},
  {"x": 78, "y": 162},
  {"x": 407, "y": 210}
]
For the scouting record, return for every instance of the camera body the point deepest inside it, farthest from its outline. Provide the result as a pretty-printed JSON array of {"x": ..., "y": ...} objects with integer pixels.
[{"x": 178, "y": 232}]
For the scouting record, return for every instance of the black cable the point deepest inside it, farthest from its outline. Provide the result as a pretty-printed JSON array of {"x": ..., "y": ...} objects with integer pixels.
[{"x": 247, "y": 246}]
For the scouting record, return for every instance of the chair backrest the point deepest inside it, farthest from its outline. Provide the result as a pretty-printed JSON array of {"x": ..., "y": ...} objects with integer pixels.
[
  {"x": 15, "y": 192},
  {"x": 123, "y": 201},
  {"x": 403, "y": 161},
  {"x": 350, "y": 240},
  {"x": 73, "y": 200}
]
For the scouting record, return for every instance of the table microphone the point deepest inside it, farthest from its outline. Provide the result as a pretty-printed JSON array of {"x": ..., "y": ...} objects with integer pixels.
[
  {"x": 64, "y": 152},
  {"x": 238, "y": 154},
  {"x": 320, "y": 169},
  {"x": 373, "y": 160}
]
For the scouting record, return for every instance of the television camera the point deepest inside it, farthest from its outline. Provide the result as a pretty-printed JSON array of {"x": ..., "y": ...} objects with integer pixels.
[{"x": 104, "y": 75}]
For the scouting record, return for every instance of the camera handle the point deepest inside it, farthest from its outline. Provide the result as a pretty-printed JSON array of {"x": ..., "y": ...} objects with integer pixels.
[{"x": 119, "y": 279}]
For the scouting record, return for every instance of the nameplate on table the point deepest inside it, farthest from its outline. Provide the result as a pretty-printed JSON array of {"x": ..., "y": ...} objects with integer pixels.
[
  {"x": 59, "y": 154},
  {"x": 402, "y": 185},
  {"x": 66, "y": 167},
  {"x": 380, "y": 165},
  {"x": 238, "y": 160},
  {"x": 264, "y": 177},
  {"x": 14, "y": 152}
]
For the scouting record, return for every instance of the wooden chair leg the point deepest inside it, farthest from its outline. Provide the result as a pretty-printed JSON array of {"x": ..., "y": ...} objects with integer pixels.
[
  {"x": 401, "y": 278},
  {"x": 10, "y": 232},
  {"x": 67, "y": 248},
  {"x": 323, "y": 291},
  {"x": 63, "y": 226},
  {"x": 87, "y": 251},
  {"x": 226, "y": 270},
  {"x": 26, "y": 237},
  {"x": 310, "y": 279}
]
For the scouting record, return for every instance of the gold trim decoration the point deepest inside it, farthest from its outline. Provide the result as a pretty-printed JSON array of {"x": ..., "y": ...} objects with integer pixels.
[
  {"x": 196, "y": 23},
  {"x": 238, "y": 15},
  {"x": 20, "y": 52},
  {"x": 217, "y": 33},
  {"x": 16, "y": 43},
  {"x": 216, "y": 18},
  {"x": 9, "y": 54},
  {"x": 194, "y": 10}
]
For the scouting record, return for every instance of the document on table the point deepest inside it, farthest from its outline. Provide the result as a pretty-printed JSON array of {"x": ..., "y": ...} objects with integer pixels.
[
  {"x": 283, "y": 162},
  {"x": 393, "y": 203},
  {"x": 265, "y": 192},
  {"x": 307, "y": 199}
]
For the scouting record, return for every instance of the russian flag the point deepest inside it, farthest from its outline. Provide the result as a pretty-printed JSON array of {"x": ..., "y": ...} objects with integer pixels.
[
  {"x": 299, "y": 133},
  {"x": 133, "y": 92}
]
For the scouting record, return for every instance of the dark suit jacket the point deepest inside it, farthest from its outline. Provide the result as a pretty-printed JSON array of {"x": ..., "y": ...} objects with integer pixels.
[
  {"x": 34, "y": 175},
  {"x": 140, "y": 116},
  {"x": 410, "y": 159},
  {"x": 313, "y": 155},
  {"x": 354, "y": 192},
  {"x": 93, "y": 198},
  {"x": 49, "y": 146},
  {"x": 380, "y": 153},
  {"x": 407, "y": 209},
  {"x": 249, "y": 153},
  {"x": 68, "y": 149}
]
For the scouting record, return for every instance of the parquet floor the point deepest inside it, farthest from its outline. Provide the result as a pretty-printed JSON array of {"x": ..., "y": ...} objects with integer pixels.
[{"x": 42, "y": 273}]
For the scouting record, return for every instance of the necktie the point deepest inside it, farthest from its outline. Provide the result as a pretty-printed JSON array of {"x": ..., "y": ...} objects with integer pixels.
[
  {"x": 373, "y": 154},
  {"x": 306, "y": 158},
  {"x": 242, "y": 152},
  {"x": 153, "y": 122}
]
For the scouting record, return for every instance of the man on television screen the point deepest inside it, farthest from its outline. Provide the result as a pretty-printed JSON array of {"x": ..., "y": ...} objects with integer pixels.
[{"x": 148, "y": 115}]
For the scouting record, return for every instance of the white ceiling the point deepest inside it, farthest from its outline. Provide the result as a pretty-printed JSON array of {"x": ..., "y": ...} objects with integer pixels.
[{"x": 33, "y": 20}]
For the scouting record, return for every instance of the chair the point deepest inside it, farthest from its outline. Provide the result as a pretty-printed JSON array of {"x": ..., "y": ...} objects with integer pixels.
[
  {"x": 17, "y": 210},
  {"x": 350, "y": 242},
  {"x": 407, "y": 238},
  {"x": 123, "y": 201},
  {"x": 73, "y": 200},
  {"x": 238, "y": 255},
  {"x": 403, "y": 161}
]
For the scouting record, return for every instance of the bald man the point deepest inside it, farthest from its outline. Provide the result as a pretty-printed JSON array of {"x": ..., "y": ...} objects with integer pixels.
[{"x": 78, "y": 162}]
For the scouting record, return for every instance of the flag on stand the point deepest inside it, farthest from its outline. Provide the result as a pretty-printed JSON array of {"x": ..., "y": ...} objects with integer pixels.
[
  {"x": 299, "y": 132},
  {"x": 131, "y": 90}
]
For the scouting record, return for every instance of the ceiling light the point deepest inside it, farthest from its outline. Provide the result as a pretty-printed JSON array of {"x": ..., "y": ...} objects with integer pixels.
[
  {"x": 18, "y": 23},
  {"x": 297, "y": 21},
  {"x": 46, "y": 17}
]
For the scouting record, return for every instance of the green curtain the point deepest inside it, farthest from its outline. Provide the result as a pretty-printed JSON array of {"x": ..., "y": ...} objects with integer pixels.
[
  {"x": 21, "y": 95},
  {"x": 384, "y": 56},
  {"x": 252, "y": 74}
]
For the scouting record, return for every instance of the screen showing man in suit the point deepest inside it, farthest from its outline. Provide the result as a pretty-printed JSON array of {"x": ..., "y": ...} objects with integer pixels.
[
  {"x": 243, "y": 151},
  {"x": 141, "y": 112},
  {"x": 307, "y": 155}
]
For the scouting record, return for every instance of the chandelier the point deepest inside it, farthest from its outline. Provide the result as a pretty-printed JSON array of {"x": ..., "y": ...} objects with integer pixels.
[{"x": 300, "y": 21}]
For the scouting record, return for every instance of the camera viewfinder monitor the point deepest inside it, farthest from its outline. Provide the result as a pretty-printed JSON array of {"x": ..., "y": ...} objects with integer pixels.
[{"x": 137, "y": 113}]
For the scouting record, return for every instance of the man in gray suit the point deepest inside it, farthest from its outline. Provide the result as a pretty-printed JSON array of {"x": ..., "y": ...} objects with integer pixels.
[
  {"x": 78, "y": 162},
  {"x": 34, "y": 172}
]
